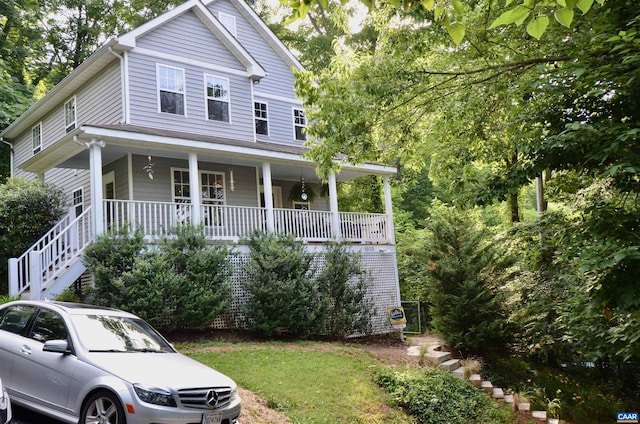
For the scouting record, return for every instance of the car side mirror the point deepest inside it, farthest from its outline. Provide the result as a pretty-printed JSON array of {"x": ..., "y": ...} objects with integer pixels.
[{"x": 57, "y": 346}]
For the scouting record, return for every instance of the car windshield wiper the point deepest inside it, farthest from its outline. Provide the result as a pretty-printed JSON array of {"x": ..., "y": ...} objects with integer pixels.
[
  {"x": 146, "y": 350},
  {"x": 107, "y": 350}
]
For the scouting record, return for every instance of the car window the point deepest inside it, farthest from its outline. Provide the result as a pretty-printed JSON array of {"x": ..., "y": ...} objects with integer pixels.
[
  {"x": 48, "y": 326},
  {"x": 15, "y": 318}
]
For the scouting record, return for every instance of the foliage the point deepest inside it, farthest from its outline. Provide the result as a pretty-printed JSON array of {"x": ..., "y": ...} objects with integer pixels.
[
  {"x": 180, "y": 283},
  {"x": 435, "y": 396},
  {"x": 282, "y": 293},
  {"x": 314, "y": 383},
  {"x": 451, "y": 13},
  {"x": 343, "y": 284},
  {"x": 466, "y": 274},
  {"x": 27, "y": 211}
]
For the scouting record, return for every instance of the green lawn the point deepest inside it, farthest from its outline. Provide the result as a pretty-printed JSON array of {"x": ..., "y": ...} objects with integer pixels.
[{"x": 309, "y": 382}]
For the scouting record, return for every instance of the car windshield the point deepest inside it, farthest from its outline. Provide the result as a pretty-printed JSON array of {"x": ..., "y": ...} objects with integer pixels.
[{"x": 108, "y": 333}]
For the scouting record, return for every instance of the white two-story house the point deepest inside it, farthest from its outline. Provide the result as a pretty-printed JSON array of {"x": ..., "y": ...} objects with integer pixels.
[{"x": 192, "y": 117}]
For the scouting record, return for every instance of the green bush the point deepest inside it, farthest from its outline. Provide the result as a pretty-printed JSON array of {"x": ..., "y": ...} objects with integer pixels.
[
  {"x": 466, "y": 271},
  {"x": 435, "y": 396},
  {"x": 343, "y": 287},
  {"x": 282, "y": 293},
  {"x": 28, "y": 210},
  {"x": 182, "y": 283}
]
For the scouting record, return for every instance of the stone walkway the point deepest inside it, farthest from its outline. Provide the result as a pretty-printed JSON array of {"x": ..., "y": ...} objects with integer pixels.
[{"x": 432, "y": 350}]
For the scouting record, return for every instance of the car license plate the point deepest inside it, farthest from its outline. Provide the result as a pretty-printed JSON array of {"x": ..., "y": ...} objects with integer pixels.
[{"x": 213, "y": 418}]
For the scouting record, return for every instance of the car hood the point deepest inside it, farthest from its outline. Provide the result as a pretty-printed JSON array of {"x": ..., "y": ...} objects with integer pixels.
[{"x": 162, "y": 370}]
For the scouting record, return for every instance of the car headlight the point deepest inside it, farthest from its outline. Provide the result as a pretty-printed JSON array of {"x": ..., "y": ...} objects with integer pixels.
[
  {"x": 154, "y": 395},
  {"x": 234, "y": 394}
]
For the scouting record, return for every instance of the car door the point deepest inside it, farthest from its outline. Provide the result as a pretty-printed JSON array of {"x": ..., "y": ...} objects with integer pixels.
[
  {"x": 14, "y": 322},
  {"x": 43, "y": 378}
]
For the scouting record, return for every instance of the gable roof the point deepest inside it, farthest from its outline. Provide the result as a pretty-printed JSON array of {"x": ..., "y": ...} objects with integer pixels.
[
  {"x": 255, "y": 70},
  {"x": 107, "y": 53}
]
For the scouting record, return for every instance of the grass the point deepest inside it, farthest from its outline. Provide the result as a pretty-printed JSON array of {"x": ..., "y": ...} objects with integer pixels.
[{"x": 310, "y": 383}]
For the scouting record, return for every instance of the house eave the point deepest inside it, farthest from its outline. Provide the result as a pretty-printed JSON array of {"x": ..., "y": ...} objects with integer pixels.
[{"x": 62, "y": 91}]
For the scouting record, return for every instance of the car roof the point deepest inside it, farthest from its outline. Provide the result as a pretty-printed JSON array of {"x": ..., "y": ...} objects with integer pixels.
[{"x": 72, "y": 308}]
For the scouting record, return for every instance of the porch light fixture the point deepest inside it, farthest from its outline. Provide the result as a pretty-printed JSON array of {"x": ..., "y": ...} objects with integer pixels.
[
  {"x": 148, "y": 168},
  {"x": 303, "y": 190}
]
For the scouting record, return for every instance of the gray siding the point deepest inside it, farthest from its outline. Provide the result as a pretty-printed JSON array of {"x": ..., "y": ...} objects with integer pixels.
[
  {"x": 144, "y": 100},
  {"x": 100, "y": 101},
  {"x": 187, "y": 37},
  {"x": 280, "y": 116},
  {"x": 120, "y": 176},
  {"x": 70, "y": 180},
  {"x": 280, "y": 79}
]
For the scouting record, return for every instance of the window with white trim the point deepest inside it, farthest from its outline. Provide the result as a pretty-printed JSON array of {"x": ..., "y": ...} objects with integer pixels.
[
  {"x": 77, "y": 199},
  {"x": 217, "y": 95},
  {"x": 36, "y": 138},
  {"x": 70, "y": 114},
  {"x": 299, "y": 124},
  {"x": 212, "y": 195},
  {"x": 171, "y": 90},
  {"x": 261, "y": 118},
  {"x": 229, "y": 22}
]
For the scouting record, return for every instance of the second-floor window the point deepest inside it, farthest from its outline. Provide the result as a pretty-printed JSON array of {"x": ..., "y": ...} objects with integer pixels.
[
  {"x": 70, "y": 114},
  {"x": 299, "y": 124},
  {"x": 261, "y": 117},
  {"x": 36, "y": 138},
  {"x": 217, "y": 93},
  {"x": 171, "y": 89}
]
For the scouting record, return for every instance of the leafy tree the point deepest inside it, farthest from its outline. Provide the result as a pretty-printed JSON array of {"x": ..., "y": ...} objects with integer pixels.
[{"x": 27, "y": 211}]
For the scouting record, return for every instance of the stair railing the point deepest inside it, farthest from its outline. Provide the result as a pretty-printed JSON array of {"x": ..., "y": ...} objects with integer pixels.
[{"x": 39, "y": 265}]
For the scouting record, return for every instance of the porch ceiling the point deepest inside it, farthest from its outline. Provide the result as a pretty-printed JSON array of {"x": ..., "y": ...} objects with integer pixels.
[{"x": 286, "y": 161}]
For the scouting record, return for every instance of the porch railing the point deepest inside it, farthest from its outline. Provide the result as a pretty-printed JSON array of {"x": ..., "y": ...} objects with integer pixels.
[{"x": 223, "y": 222}]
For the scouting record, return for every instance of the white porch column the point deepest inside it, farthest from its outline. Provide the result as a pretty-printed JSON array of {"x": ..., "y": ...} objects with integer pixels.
[
  {"x": 268, "y": 195},
  {"x": 95, "y": 169},
  {"x": 333, "y": 206},
  {"x": 194, "y": 183},
  {"x": 388, "y": 210}
]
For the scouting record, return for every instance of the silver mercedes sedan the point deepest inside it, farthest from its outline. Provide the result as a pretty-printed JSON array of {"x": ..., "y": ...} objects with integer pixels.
[
  {"x": 5, "y": 405},
  {"x": 86, "y": 364}
]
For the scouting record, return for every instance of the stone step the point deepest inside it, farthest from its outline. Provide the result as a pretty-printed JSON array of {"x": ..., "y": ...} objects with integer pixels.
[
  {"x": 523, "y": 406},
  {"x": 508, "y": 398},
  {"x": 437, "y": 356},
  {"x": 475, "y": 379},
  {"x": 487, "y": 387},
  {"x": 451, "y": 364},
  {"x": 498, "y": 393},
  {"x": 459, "y": 372},
  {"x": 539, "y": 415}
]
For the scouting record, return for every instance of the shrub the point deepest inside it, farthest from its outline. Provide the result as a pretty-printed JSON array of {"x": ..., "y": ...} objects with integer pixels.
[
  {"x": 465, "y": 271},
  {"x": 343, "y": 286},
  {"x": 28, "y": 210},
  {"x": 435, "y": 396},
  {"x": 282, "y": 294},
  {"x": 181, "y": 283}
]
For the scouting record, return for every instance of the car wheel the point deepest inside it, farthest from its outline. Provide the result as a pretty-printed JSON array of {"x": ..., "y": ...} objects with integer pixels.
[{"x": 102, "y": 408}]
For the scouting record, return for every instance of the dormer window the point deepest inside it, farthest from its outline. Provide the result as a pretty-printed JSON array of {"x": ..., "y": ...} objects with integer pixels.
[
  {"x": 299, "y": 124},
  {"x": 70, "y": 114},
  {"x": 229, "y": 22},
  {"x": 171, "y": 90},
  {"x": 36, "y": 138},
  {"x": 217, "y": 95}
]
